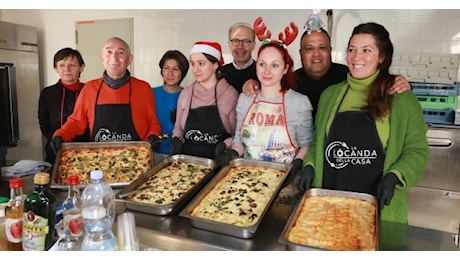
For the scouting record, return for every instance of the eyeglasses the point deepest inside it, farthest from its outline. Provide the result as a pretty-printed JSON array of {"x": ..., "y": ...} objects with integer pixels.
[{"x": 236, "y": 42}]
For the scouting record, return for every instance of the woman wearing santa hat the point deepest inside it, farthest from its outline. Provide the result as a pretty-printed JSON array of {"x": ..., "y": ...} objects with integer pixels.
[{"x": 206, "y": 115}]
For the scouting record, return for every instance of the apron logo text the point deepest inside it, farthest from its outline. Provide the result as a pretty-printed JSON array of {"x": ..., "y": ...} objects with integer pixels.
[
  {"x": 104, "y": 134},
  {"x": 198, "y": 136},
  {"x": 339, "y": 155}
]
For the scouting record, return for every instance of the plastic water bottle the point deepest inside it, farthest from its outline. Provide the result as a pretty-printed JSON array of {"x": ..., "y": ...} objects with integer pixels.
[{"x": 98, "y": 213}]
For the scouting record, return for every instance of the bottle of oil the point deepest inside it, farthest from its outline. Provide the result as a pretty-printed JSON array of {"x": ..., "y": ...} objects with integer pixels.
[
  {"x": 13, "y": 214},
  {"x": 39, "y": 215}
]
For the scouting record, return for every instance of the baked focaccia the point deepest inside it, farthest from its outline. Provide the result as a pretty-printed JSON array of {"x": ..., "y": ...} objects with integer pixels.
[
  {"x": 241, "y": 196},
  {"x": 335, "y": 223},
  {"x": 118, "y": 164},
  {"x": 170, "y": 183}
]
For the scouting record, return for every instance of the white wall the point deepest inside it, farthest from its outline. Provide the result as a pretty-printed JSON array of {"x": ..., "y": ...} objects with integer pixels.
[{"x": 155, "y": 31}]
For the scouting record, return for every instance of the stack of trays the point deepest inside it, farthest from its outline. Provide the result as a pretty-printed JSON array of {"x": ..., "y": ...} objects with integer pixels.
[{"x": 439, "y": 101}]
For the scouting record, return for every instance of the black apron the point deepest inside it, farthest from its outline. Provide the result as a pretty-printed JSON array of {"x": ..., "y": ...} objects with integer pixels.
[
  {"x": 203, "y": 130},
  {"x": 354, "y": 155},
  {"x": 114, "y": 122}
]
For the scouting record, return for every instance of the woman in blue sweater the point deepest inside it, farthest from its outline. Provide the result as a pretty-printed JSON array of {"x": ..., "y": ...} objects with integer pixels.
[
  {"x": 367, "y": 140},
  {"x": 174, "y": 67}
]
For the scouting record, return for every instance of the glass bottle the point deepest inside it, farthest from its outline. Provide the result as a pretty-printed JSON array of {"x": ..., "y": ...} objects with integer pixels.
[
  {"x": 72, "y": 221},
  {"x": 39, "y": 215},
  {"x": 13, "y": 216},
  {"x": 98, "y": 213},
  {"x": 3, "y": 240}
]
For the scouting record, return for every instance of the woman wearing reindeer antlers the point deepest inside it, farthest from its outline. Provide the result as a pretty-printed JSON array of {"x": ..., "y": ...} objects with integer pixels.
[{"x": 276, "y": 125}]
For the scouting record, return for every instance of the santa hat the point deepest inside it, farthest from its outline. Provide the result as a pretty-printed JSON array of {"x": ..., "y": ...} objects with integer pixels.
[{"x": 212, "y": 48}]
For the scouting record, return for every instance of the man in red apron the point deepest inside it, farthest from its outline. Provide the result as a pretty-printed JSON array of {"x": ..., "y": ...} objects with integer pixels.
[{"x": 115, "y": 107}]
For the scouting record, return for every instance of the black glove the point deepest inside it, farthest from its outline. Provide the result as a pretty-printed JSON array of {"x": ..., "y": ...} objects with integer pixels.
[
  {"x": 295, "y": 169},
  {"x": 56, "y": 144},
  {"x": 176, "y": 146},
  {"x": 172, "y": 115},
  {"x": 220, "y": 149},
  {"x": 386, "y": 189},
  {"x": 225, "y": 157},
  {"x": 306, "y": 176},
  {"x": 154, "y": 142}
]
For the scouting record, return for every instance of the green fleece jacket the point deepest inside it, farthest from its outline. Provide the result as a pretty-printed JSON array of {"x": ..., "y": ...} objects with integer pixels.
[{"x": 402, "y": 132}]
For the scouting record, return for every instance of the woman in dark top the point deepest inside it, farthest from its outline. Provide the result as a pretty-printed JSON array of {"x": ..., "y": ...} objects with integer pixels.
[{"x": 57, "y": 101}]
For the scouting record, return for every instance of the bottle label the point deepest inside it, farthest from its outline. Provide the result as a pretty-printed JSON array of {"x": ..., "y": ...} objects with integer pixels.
[
  {"x": 73, "y": 222},
  {"x": 13, "y": 230},
  {"x": 35, "y": 229}
]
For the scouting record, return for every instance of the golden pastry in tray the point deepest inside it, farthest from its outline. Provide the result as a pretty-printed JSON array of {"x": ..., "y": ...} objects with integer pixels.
[{"x": 335, "y": 223}]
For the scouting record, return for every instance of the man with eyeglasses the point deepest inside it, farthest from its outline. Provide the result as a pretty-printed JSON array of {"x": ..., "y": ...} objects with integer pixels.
[{"x": 241, "y": 41}]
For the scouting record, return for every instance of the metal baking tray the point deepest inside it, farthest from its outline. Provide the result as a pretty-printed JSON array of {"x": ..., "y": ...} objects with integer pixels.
[
  {"x": 56, "y": 184},
  {"x": 172, "y": 207},
  {"x": 224, "y": 228},
  {"x": 322, "y": 192}
]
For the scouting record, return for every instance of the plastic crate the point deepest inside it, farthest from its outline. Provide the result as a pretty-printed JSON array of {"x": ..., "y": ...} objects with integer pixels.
[
  {"x": 438, "y": 102},
  {"x": 435, "y": 89},
  {"x": 438, "y": 115}
]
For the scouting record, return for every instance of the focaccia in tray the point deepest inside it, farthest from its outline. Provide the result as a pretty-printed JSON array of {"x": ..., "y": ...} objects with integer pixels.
[
  {"x": 335, "y": 223},
  {"x": 241, "y": 196},
  {"x": 120, "y": 164},
  {"x": 170, "y": 183}
]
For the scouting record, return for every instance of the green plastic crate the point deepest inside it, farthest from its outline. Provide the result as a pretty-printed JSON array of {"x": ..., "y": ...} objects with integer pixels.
[{"x": 438, "y": 102}]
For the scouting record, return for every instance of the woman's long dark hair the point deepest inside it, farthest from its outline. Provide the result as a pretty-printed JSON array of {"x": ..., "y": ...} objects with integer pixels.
[{"x": 379, "y": 101}]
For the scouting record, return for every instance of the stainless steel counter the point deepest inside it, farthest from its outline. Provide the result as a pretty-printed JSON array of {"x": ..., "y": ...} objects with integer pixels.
[{"x": 176, "y": 233}]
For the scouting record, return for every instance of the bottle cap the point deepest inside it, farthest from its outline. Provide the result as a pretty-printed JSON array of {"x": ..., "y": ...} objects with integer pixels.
[
  {"x": 73, "y": 180},
  {"x": 96, "y": 175},
  {"x": 42, "y": 178},
  {"x": 15, "y": 183}
]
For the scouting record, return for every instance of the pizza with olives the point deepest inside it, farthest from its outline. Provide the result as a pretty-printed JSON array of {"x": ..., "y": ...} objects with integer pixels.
[
  {"x": 335, "y": 223},
  {"x": 121, "y": 164},
  {"x": 170, "y": 183},
  {"x": 241, "y": 196}
]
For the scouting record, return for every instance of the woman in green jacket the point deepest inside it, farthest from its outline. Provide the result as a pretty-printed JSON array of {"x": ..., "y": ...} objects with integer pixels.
[{"x": 367, "y": 140}]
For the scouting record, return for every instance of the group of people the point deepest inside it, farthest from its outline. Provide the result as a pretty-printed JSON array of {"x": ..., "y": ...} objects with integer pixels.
[{"x": 356, "y": 127}]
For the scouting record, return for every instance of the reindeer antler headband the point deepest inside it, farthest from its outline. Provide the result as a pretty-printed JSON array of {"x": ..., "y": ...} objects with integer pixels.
[{"x": 290, "y": 33}]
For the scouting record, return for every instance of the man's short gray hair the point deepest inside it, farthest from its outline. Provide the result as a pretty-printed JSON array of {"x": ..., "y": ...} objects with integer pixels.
[
  {"x": 238, "y": 25},
  {"x": 120, "y": 40}
]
